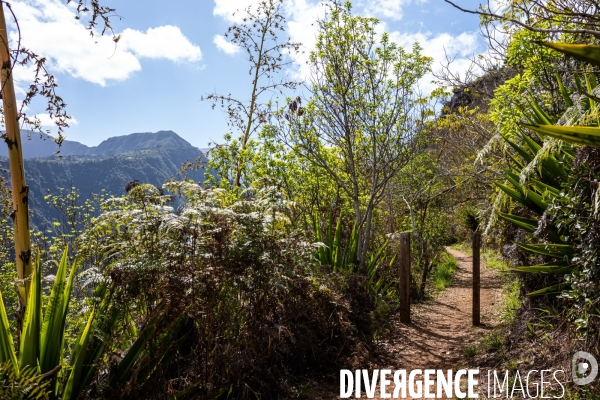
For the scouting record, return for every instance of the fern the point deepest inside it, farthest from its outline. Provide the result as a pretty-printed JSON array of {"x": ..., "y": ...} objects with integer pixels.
[{"x": 23, "y": 385}]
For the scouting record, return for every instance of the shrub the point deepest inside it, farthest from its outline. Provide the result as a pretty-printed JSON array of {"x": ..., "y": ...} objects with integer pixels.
[{"x": 238, "y": 290}]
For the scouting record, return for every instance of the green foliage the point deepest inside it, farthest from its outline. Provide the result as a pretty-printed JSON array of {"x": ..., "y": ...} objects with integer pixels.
[
  {"x": 582, "y": 52},
  {"x": 512, "y": 301},
  {"x": 22, "y": 384},
  {"x": 332, "y": 252},
  {"x": 211, "y": 285},
  {"x": 8, "y": 277},
  {"x": 584, "y": 135},
  {"x": 468, "y": 218},
  {"x": 443, "y": 271},
  {"x": 42, "y": 339},
  {"x": 360, "y": 124}
]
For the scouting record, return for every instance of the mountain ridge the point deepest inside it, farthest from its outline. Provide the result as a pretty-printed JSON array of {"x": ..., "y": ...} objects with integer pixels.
[
  {"x": 36, "y": 145},
  {"x": 107, "y": 168}
]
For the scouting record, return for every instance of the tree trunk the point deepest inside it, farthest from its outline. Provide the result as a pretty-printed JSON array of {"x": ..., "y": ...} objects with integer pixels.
[
  {"x": 20, "y": 191},
  {"x": 367, "y": 238}
]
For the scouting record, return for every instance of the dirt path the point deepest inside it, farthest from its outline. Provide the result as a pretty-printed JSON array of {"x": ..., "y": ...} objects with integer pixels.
[{"x": 441, "y": 329}]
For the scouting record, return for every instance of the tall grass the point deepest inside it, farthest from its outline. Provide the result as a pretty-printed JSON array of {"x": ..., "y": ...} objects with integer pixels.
[{"x": 443, "y": 272}]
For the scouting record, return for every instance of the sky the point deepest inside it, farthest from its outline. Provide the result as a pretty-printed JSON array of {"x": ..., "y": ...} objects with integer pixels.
[{"x": 173, "y": 53}]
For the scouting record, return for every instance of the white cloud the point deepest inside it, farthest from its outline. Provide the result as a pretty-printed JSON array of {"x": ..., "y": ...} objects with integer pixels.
[
  {"x": 391, "y": 9},
  {"x": 386, "y": 9},
  {"x": 50, "y": 29},
  {"x": 225, "y": 46},
  {"x": 436, "y": 46},
  {"x": 441, "y": 47},
  {"x": 46, "y": 121},
  {"x": 162, "y": 42},
  {"x": 302, "y": 27}
]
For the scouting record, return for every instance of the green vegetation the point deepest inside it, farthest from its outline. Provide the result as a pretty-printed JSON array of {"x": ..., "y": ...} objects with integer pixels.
[{"x": 443, "y": 272}]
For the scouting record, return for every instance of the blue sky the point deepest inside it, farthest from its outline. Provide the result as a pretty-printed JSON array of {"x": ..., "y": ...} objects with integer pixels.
[{"x": 168, "y": 59}]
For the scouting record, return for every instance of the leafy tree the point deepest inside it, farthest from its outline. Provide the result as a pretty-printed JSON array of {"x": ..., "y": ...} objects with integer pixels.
[
  {"x": 362, "y": 120},
  {"x": 257, "y": 35}
]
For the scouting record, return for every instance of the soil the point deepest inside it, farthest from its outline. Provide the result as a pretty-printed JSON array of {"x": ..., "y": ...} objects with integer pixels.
[{"x": 441, "y": 329}]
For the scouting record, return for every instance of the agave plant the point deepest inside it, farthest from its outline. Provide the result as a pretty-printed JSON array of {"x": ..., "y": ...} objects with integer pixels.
[
  {"x": 41, "y": 347},
  {"x": 583, "y": 135},
  {"x": 535, "y": 194},
  {"x": 332, "y": 252},
  {"x": 345, "y": 259}
]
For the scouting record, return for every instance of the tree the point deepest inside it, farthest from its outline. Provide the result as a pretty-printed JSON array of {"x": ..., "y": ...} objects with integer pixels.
[
  {"x": 362, "y": 121},
  {"x": 258, "y": 36}
]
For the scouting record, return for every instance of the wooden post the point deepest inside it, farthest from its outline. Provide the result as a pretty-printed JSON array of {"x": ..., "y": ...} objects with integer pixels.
[
  {"x": 405, "y": 278},
  {"x": 476, "y": 279}
]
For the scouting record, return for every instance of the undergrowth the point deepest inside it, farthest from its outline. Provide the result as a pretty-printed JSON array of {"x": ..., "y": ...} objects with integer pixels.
[
  {"x": 443, "y": 272},
  {"x": 529, "y": 336}
]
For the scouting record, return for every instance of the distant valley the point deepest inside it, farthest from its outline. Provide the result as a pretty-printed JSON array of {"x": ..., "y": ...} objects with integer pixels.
[{"x": 147, "y": 157}]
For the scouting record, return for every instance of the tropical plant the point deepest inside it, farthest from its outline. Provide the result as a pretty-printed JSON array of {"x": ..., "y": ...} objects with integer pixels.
[
  {"x": 582, "y": 135},
  {"x": 41, "y": 347},
  {"x": 25, "y": 384},
  {"x": 534, "y": 194},
  {"x": 343, "y": 257}
]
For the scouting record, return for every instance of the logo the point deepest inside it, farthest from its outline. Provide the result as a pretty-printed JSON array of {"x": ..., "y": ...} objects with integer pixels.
[{"x": 584, "y": 368}]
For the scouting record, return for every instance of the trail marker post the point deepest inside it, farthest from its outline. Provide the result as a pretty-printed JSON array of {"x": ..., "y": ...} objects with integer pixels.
[
  {"x": 405, "y": 278},
  {"x": 476, "y": 279}
]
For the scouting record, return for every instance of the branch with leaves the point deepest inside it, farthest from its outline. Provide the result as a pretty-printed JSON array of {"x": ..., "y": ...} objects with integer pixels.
[{"x": 259, "y": 36}]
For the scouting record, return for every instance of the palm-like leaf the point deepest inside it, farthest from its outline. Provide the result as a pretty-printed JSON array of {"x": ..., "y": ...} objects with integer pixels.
[
  {"x": 549, "y": 250},
  {"x": 582, "y": 52},
  {"x": 7, "y": 347},
  {"x": 74, "y": 383},
  {"x": 30, "y": 338},
  {"x": 55, "y": 315},
  {"x": 584, "y": 135},
  {"x": 558, "y": 268}
]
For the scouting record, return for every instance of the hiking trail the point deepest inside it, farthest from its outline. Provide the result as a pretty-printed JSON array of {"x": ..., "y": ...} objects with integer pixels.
[{"x": 441, "y": 329}]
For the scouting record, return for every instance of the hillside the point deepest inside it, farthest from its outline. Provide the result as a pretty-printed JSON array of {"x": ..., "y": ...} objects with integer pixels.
[{"x": 146, "y": 157}]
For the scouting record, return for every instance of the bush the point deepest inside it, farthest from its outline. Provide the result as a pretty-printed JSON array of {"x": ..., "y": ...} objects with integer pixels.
[{"x": 239, "y": 290}]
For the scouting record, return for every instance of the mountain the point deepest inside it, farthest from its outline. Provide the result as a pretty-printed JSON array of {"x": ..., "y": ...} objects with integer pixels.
[
  {"x": 147, "y": 157},
  {"x": 139, "y": 141},
  {"x": 42, "y": 145},
  {"x": 36, "y": 145}
]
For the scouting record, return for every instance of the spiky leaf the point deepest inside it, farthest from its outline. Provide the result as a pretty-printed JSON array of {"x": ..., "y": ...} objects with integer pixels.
[
  {"x": 584, "y": 135},
  {"x": 582, "y": 52}
]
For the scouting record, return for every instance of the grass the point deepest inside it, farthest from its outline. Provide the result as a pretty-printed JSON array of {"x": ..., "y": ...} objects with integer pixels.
[
  {"x": 512, "y": 300},
  {"x": 464, "y": 247},
  {"x": 492, "y": 258},
  {"x": 443, "y": 272}
]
